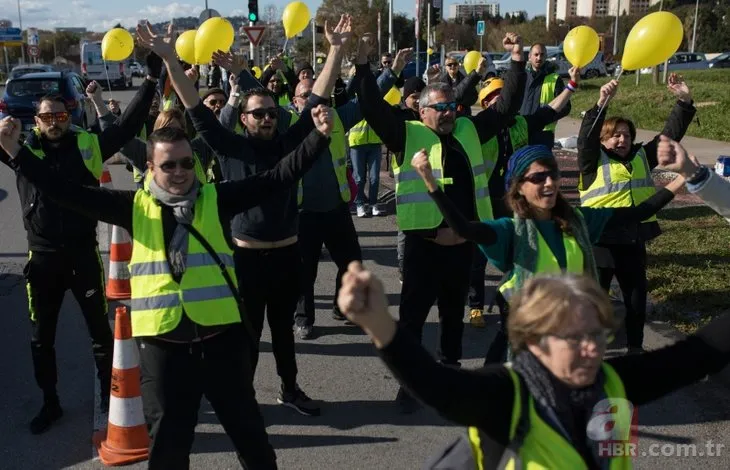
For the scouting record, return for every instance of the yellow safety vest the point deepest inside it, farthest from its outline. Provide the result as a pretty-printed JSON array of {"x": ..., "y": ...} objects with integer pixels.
[
  {"x": 616, "y": 186},
  {"x": 540, "y": 446},
  {"x": 414, "y": 207},
  {"x": 284, "y": 100},
  {"x": 547, "y": 263},
  {"x": 202, "y": 175},
  {"x": 170, "y": 102},
  {"x": 547, "y": 94},
  {"x": 158, "y": 301},
  {"x": 518, "y": 134},
  {"x": 88, "y": 145},
  {"x": 362, "y": 134}
]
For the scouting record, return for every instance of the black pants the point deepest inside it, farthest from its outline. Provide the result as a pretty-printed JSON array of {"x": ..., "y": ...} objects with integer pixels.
[
  {"x": 435, "y": 273},
  {"x": 630, "y": 270},
  {"x": 175, "y": 376},
  {"x": 269, "y": 282},
  {"x": 49, "y": 275},
  {"x": 337, "y": 231},
  {"x": 497, "y": 350},
  {"x": 476, "y": 281}
]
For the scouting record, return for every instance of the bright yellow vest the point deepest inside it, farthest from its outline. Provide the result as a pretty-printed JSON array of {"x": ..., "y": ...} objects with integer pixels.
[
  {"x": 362, "y": 134},
  {"x": 202, "y": 175},
  {"x": 547, "y": 94},
  {"x": 414, "y": 207},
  {"x": 89, "y": 148},
  {"x": 518, "y": 134},
  {"x": 170, "y": 102},
  {"x": 284, "y": 100},
  {"x": 547, "y": 263},
  {"x": 338, "y": 150},
  {"x": 544, "y": 448},
  {"x": 616, "y": 186},
  {"x": 158, "y": 301}
]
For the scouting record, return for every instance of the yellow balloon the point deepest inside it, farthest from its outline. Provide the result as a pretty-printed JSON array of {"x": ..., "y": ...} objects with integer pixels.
[
  {"x": 580, "y": 45},
  {"x": 295, "y": 18},
  {"x": 429, "y": 51},
  {"x": 215, "y": 34},
  {"x": 393, "y": 96},
  {"x": 652, "y": 40},
  {"x": 185, "y": 46},
  {"x": 471, "y": 61},
  {"x": 256, "y": 71},
  {"x": 117, "y": 44}
]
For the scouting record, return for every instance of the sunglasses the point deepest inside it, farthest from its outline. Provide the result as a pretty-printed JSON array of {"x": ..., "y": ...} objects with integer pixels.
[
  {"x": 453, "y": 64},
  {"x": 187, "y": 163},
  {"x": 541, "y": 177},
  {"x": 443, "y": 107},
  {"x": 387, "y": 62},
  {"x": 61, "y": 116},
  {"x": 305, "y": 95},
  {"x": 261, "y": 113},
  {"x": 216, "y": 102}
]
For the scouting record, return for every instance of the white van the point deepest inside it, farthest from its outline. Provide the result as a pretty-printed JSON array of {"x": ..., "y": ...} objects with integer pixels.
[{"x": 92, "y": 67}]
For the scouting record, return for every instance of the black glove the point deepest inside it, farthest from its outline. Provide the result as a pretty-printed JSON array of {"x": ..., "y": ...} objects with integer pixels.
[{"x": 154, "y": 65}]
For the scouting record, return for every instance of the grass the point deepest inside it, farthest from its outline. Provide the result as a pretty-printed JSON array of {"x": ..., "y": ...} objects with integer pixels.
[
  {"x": 689, "y": 267},
  {"x": 649, "y": 105}
]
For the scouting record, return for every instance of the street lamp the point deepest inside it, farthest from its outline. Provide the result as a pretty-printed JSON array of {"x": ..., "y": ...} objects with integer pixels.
[
  {"x": 694, "y": 28},
  {"x": 20, "y": 25}
]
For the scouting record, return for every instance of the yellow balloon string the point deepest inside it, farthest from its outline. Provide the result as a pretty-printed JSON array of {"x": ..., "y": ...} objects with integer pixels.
[{"x": 108, "y": 82}]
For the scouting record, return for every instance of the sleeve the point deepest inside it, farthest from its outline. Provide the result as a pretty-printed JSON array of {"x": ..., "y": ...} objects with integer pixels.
[
  {"x": 237, "y": 196},
  {"x": 130, "y": 123},
  {"x": 350, "y": 114},
  {"x": 500, "y": 254},
  {"x": 651, "y": 375},
  {"x": 542, "y": 117},
  {"x": 465, "y": 93},
  {"x": 559, "y": 87},
  {"x": 489, "y": 121},
  {"x": 383, "y": 118},
  {"x": 229, "y": 117},
  {"x": 223, "y": 141},
  {"x": 246, "y": 81},
  {"x": 106, "y": 121},
  {"x": 715, "y": 192},
  {"x": 589, "y": 145},
  {"x": 626, "y": 215},
  {"x": 110, "y": 206},
  {"x": 299, "y": 131},
  {"x": 466, "y": 397},
  {"x": 136, "y": 152},
  {"x": 677, "y": 123},
  {"x": 596, "y": 219},
  {"x": 266, "y": 76},
  {"x": 477, "y": 232},
  {"x": 386, "y": 80}
]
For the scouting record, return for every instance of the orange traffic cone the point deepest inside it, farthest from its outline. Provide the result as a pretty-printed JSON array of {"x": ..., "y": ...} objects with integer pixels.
[
  {"x": 118, "y": 286},
  {"x": 126, "y": 439}
]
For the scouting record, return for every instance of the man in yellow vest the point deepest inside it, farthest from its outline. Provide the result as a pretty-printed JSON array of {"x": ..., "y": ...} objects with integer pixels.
[
  {"x": 62, "y": 245},
  {"x": 280, "y": 81},
  {"x": 542, "y": 86},
  {"x": 187, "y": 312},
  {"x": 436, "y": 262}
]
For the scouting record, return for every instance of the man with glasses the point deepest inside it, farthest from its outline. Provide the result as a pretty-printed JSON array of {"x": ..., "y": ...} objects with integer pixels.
[
  {"x": 214, "y": 99},
  {"x": 386, "y": 63},
  {"x": 436, "y": 261},
  {"x": 62, "y": 244}
]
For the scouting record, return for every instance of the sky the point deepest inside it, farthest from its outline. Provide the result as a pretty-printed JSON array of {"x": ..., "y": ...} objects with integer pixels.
[{"x": 100, "y": 15}]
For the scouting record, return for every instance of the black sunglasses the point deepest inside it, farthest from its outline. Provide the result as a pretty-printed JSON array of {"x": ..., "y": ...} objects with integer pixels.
[
  {"x": 387, "y": 62},
  {"x": 541, "y": 176},
  {"x": 260, "y": 113},
  {"x": 443, "y": 107},
  {"x": 453, "y": 64},
  {"x": 305, "y": 95},
  {"x": 187, "y": 163},
  {"x": 216, "y": 102}
]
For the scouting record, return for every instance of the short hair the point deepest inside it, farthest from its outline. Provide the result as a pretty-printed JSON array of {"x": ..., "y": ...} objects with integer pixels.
[
  {"x": 165, "y": 135},
  {"x": 54, "y": 98},
  {"x": 610, "y": 125},
  {"x": 167, "y": 116},
  {"x": 540, "y": 45},
  {"x": 424, "y": 99},
  {"x": 545, "y": 303},
  {"x": 262, "y": 92},
  {"x": 386, "y": 54}
]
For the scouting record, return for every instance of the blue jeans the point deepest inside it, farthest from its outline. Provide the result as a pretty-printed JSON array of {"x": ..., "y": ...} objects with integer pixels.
[{"x": 364, "y": 157}]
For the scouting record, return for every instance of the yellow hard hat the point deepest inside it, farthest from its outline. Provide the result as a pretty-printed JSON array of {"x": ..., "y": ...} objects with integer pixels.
[{"x": 490, "y": 86}]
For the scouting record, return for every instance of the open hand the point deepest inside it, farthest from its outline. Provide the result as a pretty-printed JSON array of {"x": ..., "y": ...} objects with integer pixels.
[
  {"x": 228, "y": 61},
  {"x": 160, "y": 45},
  {"x": 323, "y": 119},
  {"x": 342, "y": 32},
  {"x": 401, "y": 59},
  {"x": 678, "y": 87}
]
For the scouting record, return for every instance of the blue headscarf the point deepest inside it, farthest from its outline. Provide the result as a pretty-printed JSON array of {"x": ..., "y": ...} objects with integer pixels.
[{"x": 521, "y": 160}]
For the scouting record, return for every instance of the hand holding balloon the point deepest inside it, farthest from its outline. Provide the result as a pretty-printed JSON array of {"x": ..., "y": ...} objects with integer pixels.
[{"x": 608, "y": 91}]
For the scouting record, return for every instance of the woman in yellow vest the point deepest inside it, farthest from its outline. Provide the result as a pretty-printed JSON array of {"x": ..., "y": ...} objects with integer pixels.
[
  {"x": 546, "y": 235},
  {"x": 615, "y": 171},
  {"x": 559, "y": 404}
]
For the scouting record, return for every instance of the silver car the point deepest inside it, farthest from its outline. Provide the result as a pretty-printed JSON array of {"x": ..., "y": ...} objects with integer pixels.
[
  {"x": 596, "y": 68},
  {"x": 684, "y": 61}
]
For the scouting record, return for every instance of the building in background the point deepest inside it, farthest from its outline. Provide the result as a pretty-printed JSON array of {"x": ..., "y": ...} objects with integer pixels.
[
  {"x": 473, "y": 9},
  {"x": 557, "y": 10}
]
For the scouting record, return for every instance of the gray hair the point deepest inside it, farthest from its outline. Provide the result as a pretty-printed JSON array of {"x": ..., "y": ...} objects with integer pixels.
[{"x": 425, "y": 99}]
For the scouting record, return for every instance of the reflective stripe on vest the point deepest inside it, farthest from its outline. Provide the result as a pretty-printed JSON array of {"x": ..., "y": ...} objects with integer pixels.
[
  {"x": 616, "y": 186},
  {"x": 414, "y": 207},
  {"x": 338, "y": 151},
  {"x": 158, "y": 301},
  {"x": 547, "y": 263},
  {"x": 547, "y": 94},
  {"x": 541, "y": 446},
  {"x": 362, "y": 134},
  {"x": 88, "y": 145},
  {"x": 170, "y": 102}
]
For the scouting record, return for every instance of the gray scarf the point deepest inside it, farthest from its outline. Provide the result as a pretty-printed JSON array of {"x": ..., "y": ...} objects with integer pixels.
[{"x": 182, "y": 208}]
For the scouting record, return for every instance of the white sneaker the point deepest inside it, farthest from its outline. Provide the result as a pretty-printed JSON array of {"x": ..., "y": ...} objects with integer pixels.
[
  {"x": 377, "y": 211},
  {"x": 361, "y": 212}
]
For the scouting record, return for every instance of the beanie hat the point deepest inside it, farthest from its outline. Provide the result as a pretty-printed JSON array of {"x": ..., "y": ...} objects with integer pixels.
[
  {"x": 413, "y": 85},
  {"x": 303, "y": 66},
  {"x": 211, "y": 91},
  {"x": 521, "y": 160}
]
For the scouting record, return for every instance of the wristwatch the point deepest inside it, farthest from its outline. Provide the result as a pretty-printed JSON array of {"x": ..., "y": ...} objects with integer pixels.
[{"x": 236, "y": 95}]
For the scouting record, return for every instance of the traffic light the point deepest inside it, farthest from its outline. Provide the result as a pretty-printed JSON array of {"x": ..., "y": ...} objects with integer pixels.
[{"x": 253, "y": 10}]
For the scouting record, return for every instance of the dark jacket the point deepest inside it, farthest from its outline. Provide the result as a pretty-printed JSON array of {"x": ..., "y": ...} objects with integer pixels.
[
  {"x": 288, "y": 88},
  {"x": 589, "y": 154},
  {"x": 49, "y": 226},
  {"x": 531, "y": 99}
]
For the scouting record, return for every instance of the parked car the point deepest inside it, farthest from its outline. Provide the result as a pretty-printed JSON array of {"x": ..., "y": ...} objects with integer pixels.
[
  {"x": 106, "y": 73},
  {"x": 459, "y": 55},
  {"x": 503, "y": 64},
  {"x": 410, "y": 69},
  {"x": 720, "y": 62},
  {"x": 596, "y": 68},
  {"x": 24, "y": 69},
  {"x": 683, "y": 61},
  {"x": 22, "y": 95},
  {"x": 136, "y": 69}
]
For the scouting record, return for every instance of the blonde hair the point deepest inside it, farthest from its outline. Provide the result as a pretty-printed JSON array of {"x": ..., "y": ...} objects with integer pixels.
[
  {"x": 547, "y": 302},
  {"x": 166, "y": 117}
]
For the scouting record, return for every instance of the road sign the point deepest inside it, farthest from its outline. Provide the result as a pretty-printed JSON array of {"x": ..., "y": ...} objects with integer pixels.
[
  {"x": 206, "y": 14},
  {"x": 34, "y": 51},
  {"x": 254, "y": 33},
  {"x": 10, "y": 34},
  {"x": 481, "y": 26}
]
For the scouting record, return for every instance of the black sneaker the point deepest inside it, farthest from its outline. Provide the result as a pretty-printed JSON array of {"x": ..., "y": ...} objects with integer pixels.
[
  {"x": 299, "y": 401},
  {"x": 337, "y": 315},
  {"x": 50, "y": 412},
  {"x": 406, "y": 403},
  {"x": 303, "y": 331}
]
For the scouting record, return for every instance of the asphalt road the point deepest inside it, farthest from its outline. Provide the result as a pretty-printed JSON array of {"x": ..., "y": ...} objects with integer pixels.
[{"x": 359, "y": 427}]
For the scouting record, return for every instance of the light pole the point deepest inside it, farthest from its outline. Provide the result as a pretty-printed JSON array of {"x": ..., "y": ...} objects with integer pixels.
[
  {"x": 615, "y": 29},
  {"x": 20, "y": 25},
  {"x": 694, "y": 28},
  {"x": 390, "y": 26}
]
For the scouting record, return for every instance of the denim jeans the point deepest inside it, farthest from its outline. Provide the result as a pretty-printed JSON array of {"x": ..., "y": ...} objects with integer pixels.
[{"x": 366, "y": 157}]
